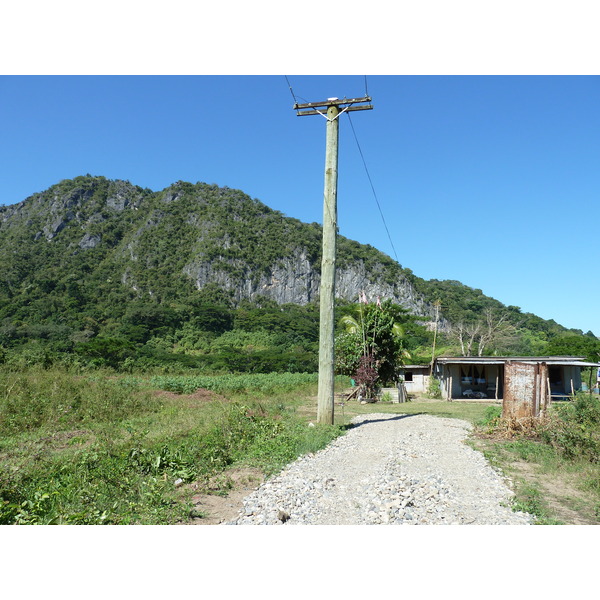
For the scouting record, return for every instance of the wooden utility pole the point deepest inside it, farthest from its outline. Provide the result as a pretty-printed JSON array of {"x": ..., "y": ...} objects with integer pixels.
[
  {"x": 334, "y": 108},
  {"x": 437, "y": 305}
]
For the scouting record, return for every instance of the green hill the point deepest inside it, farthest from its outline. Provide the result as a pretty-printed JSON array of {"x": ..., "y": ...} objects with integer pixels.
[{"x": 96, "y": 271}]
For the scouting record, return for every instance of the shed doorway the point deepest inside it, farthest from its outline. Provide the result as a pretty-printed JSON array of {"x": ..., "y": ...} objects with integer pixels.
[{"x": 479, "y": 381}]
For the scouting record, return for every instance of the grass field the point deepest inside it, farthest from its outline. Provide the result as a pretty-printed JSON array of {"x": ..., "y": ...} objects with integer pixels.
[{"x": 104, "y": 449}]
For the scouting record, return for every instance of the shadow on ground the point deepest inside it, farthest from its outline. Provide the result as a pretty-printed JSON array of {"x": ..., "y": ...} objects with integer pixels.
[{"x": 379, "y": 420}]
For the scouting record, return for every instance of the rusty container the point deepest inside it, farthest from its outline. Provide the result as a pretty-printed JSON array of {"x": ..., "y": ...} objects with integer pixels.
[{"x": 525, "y": 389}]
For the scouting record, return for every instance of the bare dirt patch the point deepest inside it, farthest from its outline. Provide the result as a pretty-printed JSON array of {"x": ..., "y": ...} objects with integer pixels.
[
  {"x": 565, "y": 502},
  {"x": 200, "y": 396},
  {"x": 222, "y": 499},
  {"x": 60, "y": 440}
]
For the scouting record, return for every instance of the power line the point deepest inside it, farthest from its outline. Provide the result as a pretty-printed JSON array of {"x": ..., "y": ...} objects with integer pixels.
[
  {"x": 332, "y": 217},
  {"x": 291, "y": 90},
  {"x": 373, "y": 188},
  {"x": 296, "y": 98}
]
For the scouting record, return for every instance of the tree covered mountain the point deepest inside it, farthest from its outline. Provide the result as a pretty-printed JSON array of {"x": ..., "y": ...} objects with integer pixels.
[
  {"x": 151, "y": 242},
  {"x": 105, "y": 270}
]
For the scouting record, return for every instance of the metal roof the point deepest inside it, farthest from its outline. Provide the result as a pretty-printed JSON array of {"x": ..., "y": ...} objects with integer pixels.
[{"x": 571, "y": 361}]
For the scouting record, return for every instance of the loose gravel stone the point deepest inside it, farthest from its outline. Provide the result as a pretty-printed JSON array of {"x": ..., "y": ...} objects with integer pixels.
[{"x": 387, "y": 470}]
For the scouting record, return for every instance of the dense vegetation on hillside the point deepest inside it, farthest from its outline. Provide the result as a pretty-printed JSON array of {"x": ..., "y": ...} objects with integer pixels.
[{"x": 95, "y": 272}]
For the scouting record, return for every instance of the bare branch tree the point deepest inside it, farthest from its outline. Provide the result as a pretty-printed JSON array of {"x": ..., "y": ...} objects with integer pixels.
[
  {"x": 496, "y": 330},
  {"x": 466, "y": 334},
  {"x": 493, "y": 329}
]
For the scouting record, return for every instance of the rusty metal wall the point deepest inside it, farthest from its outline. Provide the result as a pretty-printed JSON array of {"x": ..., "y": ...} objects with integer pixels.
[{"x": 525, "y": 390}]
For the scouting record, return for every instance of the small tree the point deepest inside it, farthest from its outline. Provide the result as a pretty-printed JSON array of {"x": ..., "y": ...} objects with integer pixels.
[
  {"x": 372, "y": 339},
  {"x": 366, "y": 377},
  {"x": 497, "y": 330}
]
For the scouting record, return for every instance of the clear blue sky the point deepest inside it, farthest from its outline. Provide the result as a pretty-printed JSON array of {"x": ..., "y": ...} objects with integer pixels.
[{"x": 490, "y": 180}]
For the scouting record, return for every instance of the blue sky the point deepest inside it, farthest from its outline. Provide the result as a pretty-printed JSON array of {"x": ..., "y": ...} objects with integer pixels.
[{"x": 489, "y": 180}]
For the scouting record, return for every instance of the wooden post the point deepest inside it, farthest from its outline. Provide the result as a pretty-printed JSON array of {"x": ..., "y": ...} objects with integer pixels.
[
  {"x": 325, "y": 403},
  {"x": 437, "y": 304},
  {"x": 334, "y": 107}
]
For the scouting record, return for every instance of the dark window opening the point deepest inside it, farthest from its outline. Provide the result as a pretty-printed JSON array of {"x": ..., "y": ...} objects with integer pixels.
[{"x": 555, "y": 375}]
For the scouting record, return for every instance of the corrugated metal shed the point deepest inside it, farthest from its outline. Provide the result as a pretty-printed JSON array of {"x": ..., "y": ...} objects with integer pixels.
[
  {"x": 487, "y": 377},
  {"x": 572, "y": 361},
  {"x": 526, "y": 389}
]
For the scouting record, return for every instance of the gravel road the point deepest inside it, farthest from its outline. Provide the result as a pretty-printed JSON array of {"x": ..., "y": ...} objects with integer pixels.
[{"x": 387, "y": 470}]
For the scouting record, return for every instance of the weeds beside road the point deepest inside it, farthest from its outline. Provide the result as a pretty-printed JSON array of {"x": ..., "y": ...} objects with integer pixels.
[
  {"x": 99, "y": 449},
  {"x": 554, "y": 462}
]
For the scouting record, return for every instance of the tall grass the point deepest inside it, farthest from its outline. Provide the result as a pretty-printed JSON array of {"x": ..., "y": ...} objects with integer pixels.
[
  {"x": 56, "y": 399},
  {"x": 259, "y": 383},
  {"x": 109, "y": 451}
]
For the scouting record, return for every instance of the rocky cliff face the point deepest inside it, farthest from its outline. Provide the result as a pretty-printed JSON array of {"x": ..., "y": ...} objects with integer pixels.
[
  {"x": 295, "y": 280},
  {"x": 291, "y": 280}
]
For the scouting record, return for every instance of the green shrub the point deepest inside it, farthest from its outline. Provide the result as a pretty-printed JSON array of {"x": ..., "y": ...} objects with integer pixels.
[
  {"x": 272, "y": 451},
  {"x": 491, "y": 416},
  {"x": 433, "y": 389},
  {"x": 529, "y": 500},
  {"x": 574, "y": 428}
]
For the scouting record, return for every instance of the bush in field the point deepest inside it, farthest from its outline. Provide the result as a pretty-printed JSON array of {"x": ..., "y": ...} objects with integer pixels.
[
  {"x": 377, "y": 333},
  {"x": 574, "y": 429},
  {"x": 433, "y": 388},
  {"x": 107, "y": 352},
  {"x": 262, "y": 361},
  {"x": 491, "y": 417},
  {"x": 366, "y": 376}
]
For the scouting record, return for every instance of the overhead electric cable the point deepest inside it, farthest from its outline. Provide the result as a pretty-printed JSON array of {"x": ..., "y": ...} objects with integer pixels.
[
  {"x": 373, "y": 188},
  {"x": 332, "y": 217},
  {"x": 296, "y": 98},
  {"x": 291, "y": 90}
]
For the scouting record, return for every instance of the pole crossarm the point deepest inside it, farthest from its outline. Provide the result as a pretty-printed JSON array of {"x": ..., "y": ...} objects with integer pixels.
[{"x": 345, "y": 105}]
